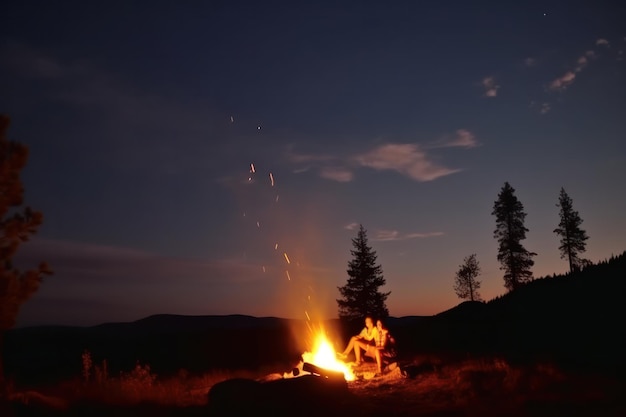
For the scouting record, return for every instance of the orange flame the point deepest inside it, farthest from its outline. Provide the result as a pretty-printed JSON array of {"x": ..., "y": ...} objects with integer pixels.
[{"x": 323, "y": 355}]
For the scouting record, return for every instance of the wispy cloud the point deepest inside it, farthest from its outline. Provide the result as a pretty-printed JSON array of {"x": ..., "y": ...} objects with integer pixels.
[
  {"x": 530, "y": 62},
  {"x": 111, "y": 279},
  {"x": 338, "y": 174},
  {"x": 491, "y": 88},
  {"x": 581, "y": 63},
  {"x": 31, "y": 63},
  {"x": 563, "y": 82},
  {"x": 407, "y": 159},
  {"x": 327, "y": 166},
  {"x": 463, "y": 138},
  {"x": 395, "y": 235},
  {"x": 93, "y": 263},
  {"x": 351, "y": 226},
  {"x": 134, "y": 122}
]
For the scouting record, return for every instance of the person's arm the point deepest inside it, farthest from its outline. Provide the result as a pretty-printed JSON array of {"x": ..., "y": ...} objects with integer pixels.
[
  {"x": 383, "y": 338},
  {"x": 363, "y": 334}
]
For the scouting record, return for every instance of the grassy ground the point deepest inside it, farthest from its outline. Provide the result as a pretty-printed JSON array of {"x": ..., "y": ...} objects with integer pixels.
[{"x": 424, "y": 387}]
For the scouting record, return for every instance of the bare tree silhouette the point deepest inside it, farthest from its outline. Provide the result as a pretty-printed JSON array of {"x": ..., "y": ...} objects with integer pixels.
[{"x": 465, "y": 283}]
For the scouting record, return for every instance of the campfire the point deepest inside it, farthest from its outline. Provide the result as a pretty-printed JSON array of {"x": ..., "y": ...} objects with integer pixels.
[{"x": 323, "y": 356}]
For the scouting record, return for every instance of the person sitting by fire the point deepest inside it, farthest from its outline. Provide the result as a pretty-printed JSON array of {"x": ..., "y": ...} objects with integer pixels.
[
  {"x": 366, "y": 341},
  {"x": 384, "y": 346}
]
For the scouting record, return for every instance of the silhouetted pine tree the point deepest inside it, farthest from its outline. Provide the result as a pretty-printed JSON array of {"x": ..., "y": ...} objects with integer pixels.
[
  {"x": 573, "y": 238},
  {"x": 465, "y": 283},
  {"x": 510, "y": 231},
  {"x": 15, "y": 228},
  {"x": 360, "y": 297}
]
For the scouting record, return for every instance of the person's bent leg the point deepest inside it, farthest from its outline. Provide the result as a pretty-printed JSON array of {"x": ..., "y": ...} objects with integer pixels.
[
  {"x": 358, "y": 345},
  {"x": 350, "y": 346},
  {"x": 379, "y": 361}
]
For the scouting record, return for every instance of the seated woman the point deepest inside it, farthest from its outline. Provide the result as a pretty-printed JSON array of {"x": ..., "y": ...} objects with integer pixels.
[
  {"x": 366, "y": 341},
  {"x": 384, "y": 348}
]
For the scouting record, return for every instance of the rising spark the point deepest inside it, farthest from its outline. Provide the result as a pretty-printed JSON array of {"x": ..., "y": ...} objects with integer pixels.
[
  {"x": 272, "y": 179},
  {"x": 276, "y": 246},
  {"x": 307, "y": 315},
  {"x": 263, "y": 269},
  {"x": 286, "y": 257},
  {"x": 288, "y": 276},
  {"x": 258, "y": 224},
  {"x": 252, "y": 168},
  {"x": 277, "y": 199}
]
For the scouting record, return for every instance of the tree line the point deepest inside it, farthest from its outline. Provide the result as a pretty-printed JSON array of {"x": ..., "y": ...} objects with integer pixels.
[
  {"x": 515, "y": 260},
  {"x": 361, "y": 295}
]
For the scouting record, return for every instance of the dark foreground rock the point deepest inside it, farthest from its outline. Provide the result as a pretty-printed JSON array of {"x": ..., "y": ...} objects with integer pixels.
[{"x": 306, "y": 395}]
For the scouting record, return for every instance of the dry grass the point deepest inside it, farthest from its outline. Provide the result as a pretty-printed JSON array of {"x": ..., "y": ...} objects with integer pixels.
[
  {"x": 135, "y": 387},
  {"x": 486, "y": 387},
  {"x": 481, "y": 387}
]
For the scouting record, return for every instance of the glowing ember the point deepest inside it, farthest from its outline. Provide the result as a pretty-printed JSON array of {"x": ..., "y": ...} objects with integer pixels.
[
  {"x": 286, "y": 258},
  {"x": 272, "y": 179},
  {"x": 323, "y": 356}
]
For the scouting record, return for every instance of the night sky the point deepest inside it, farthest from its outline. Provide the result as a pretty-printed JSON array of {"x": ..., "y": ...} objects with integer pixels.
[{"x": 145, "y": 121}]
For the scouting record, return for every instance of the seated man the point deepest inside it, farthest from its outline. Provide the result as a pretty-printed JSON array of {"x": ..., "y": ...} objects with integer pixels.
[{"x": 365, "y": 341}]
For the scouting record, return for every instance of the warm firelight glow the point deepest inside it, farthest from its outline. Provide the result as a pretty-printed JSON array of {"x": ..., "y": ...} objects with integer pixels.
[{"x": 323, "y": 355}]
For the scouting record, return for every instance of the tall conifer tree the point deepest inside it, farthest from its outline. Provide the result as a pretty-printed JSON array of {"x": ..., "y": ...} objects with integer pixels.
[
  {"x": 515, "y": 260},
  {"x": 361, "y": 297},
  {"x": 573, "y": 238}
]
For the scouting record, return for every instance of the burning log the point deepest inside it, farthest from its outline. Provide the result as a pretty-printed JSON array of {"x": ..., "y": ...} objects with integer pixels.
[{"x": 325, "y": 373}]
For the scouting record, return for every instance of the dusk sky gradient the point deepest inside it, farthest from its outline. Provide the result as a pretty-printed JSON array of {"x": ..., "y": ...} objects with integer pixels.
[{"x": 143, "y": 120}]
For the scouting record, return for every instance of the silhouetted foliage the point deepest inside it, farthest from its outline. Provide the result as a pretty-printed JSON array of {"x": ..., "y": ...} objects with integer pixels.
[
  {"x": 572, "y": 320},
  {"x": 15, "y": 228},
  {"x": 465, "y": 283},
  {"x": 573, "y": 238},
  {"x": 510, "y": 231},
  {"x": 361, "y": 296},
  {"x": 575, "y": 316}
]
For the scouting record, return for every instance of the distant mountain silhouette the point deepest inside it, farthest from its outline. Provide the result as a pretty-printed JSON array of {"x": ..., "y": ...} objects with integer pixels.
[{"x": 574, "y": 319}]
